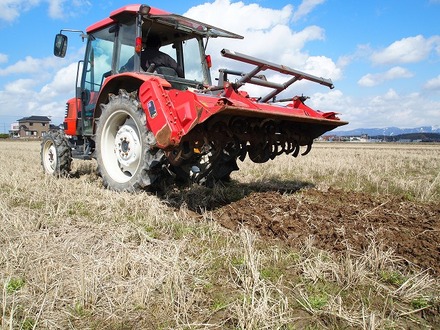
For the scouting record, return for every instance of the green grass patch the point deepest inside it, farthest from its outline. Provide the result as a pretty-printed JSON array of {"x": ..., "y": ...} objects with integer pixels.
[
  {"x": 392, "y": 277},
  {"x": 14, "y": 285},
  {"x": 420, "y": 302}
]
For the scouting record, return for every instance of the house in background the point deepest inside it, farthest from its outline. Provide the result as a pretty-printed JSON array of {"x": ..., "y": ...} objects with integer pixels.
[
  {"x": 14, "y": 132},
  {"x": 31, "y": 127}
]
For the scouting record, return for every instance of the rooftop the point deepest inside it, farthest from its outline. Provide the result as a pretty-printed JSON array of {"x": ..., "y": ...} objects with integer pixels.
[{"x": 41, "y": 119}]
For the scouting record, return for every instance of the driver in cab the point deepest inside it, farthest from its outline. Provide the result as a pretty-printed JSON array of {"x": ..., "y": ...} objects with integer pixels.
[{"x": 152, "y": 58}]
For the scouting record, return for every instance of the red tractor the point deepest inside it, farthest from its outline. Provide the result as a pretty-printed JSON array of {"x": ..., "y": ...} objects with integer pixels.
[{"x": 143, "y": 120}]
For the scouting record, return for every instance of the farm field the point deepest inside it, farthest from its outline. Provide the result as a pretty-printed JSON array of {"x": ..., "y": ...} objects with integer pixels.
[{"x": 345, "y": 237}]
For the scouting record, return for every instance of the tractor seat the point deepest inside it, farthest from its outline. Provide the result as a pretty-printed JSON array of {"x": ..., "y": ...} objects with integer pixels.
[{"x": 166, "y": 71}]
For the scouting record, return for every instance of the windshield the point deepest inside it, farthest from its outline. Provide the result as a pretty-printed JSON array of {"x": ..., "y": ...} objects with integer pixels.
[
  {"x": 168, "y": 46},
  {"x": 98, "y": 59},
  {"x": 191, "y": 58},
  {"x": 127, "y": 33}
]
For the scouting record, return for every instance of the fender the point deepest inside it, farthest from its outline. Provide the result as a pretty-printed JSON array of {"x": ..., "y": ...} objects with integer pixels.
[
  {"x": 130, "y": 81},
  {"x": 167, "y": 120}
]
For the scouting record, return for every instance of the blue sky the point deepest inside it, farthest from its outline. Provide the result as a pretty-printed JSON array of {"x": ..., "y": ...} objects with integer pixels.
[{"x": 383, "y": 56}]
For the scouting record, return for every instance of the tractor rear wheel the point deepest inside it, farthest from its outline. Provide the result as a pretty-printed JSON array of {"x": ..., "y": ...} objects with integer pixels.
[
  {"x": 125, "y": 148},
  {"x": 56, "y": 155}
]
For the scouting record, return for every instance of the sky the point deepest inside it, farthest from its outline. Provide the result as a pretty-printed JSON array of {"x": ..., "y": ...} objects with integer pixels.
[{"x": 383, "y": 56}]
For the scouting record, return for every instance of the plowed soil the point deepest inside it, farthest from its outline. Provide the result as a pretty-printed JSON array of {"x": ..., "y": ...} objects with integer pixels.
[{"x": 338, "y": 219}]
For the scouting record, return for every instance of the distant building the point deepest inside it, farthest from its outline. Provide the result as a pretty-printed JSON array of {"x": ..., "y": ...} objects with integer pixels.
[
  {"x": 14, "y": 130},
  {"x": 32, "y": 127}
]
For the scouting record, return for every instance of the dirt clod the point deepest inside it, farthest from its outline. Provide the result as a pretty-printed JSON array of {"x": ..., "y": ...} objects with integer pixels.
[{"x": 338, "y": 219}]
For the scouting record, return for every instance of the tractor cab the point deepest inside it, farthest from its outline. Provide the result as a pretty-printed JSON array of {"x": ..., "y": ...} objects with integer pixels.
[{"x": 117, "y": 46}]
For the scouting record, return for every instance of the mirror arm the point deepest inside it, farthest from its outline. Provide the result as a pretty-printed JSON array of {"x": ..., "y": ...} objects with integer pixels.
[{"x": 82, "y": 34}]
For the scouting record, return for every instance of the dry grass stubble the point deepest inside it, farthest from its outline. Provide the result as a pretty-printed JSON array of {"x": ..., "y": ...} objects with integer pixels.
[
  {"x": 411, "y": 170},
  {"x": 74, "y": 255},
  {"x": 86, "y": 253}
]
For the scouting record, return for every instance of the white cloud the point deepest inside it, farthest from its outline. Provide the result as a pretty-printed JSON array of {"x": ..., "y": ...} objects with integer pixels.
[
  {"x": 305, "y": 8},
  {"x": 433, "y": 84},
  {"x": 29, "y": 65},
  {"x": 10, "y": 10},
  {"x": 59, "y": 9},
  {"x": 397, "y": 72},
  {"x": 322, "y": 66},
  {"x": 406, "y": 50},
  {"x": 309, "y": 33},
  {"x": 56, "y": 8},
  {"x": 3, "y": 58},
  {"x": 26, "y": 96},
  {"x": 333, "y": 100},
  {"x": 238, "y": 14},
  {"x": 388, "y": 109},
  {"x": 62, "y": 83},
  {"x": 20, "y": 86},
  {"x": 267, "y": 36},
  {"x": 362, "y": 51},
  {"x": 390, "y": 95}
]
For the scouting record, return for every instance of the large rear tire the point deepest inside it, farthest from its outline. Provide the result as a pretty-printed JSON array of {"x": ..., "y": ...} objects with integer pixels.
[
  {"x": 125, "y": 148},
  {"x": 56, "y": 155}
]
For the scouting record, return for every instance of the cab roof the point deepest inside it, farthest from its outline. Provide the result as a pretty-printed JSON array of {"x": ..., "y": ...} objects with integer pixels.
[{"x": 179, "y": 22}]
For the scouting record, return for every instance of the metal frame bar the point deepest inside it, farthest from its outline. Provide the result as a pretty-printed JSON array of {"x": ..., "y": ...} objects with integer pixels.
[{"x": 262, "y": 65}]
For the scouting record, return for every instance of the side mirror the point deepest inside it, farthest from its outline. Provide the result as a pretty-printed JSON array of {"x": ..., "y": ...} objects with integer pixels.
[{"x": 60, "y": 45}]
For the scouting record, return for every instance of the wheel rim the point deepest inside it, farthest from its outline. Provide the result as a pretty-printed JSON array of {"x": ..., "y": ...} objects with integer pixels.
[
  {"x": 49, "y": 157},
  {"x": 121, "y": 147}
]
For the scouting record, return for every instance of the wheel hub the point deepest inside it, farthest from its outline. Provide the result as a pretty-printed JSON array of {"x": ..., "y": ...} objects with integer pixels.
[
  {"x": 50, "y": 158},
  {"x": 127, "y": 146},
  {"x": 50, "y": 154}
]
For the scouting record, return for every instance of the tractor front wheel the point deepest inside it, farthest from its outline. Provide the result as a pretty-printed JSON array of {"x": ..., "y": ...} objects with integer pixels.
[
  {"x": 125, "y": 148},
  {"x": 56, "y": 155}
]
